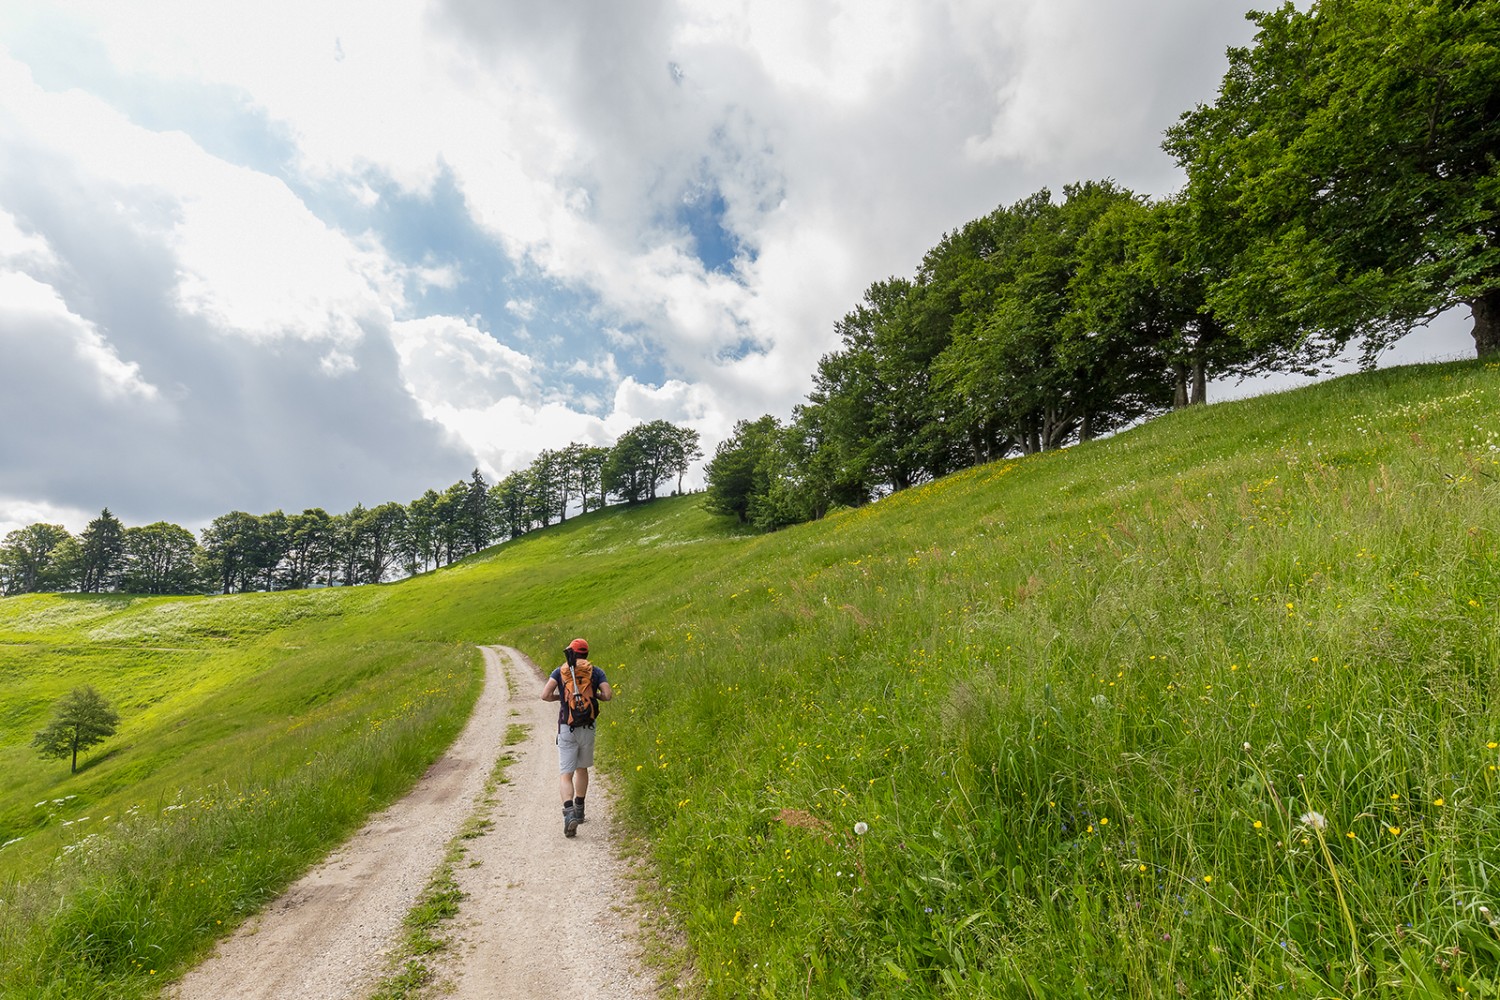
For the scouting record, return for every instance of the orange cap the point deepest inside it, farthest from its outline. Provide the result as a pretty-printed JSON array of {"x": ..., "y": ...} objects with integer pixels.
[{"x": 579, "y": 646}]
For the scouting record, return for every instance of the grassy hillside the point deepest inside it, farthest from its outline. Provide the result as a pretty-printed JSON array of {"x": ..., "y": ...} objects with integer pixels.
[{"x": 1208, "y": 708}]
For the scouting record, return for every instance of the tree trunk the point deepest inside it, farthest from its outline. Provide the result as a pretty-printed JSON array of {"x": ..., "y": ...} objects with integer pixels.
[
  {"x": 1486, "y": 311},
  {"x": 1180, "y": 397},
  {"x": 1200, "y": 383}
]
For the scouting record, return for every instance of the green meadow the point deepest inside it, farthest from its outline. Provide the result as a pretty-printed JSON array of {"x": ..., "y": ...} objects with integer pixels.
[{"x": 1208, "y": 708}]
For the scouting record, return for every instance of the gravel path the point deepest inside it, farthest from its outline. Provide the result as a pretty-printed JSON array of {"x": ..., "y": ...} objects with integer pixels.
[
  {"x": 328, "y": 937},
  {"x": 545, "y": 916}
]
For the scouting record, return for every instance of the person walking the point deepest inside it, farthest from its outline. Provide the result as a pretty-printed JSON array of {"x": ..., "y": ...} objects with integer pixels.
[{"x": 578, "y": 686}]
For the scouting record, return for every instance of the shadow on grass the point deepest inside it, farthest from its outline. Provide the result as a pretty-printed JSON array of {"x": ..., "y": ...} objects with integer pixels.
[{"x": 96, "y": 760}]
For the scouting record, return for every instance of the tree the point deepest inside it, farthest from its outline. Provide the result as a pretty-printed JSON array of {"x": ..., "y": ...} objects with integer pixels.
[
  {"x": 81, "y": 719},
  {"x": 29, "y": 558},
  {"x": 589, "y": 470},
  {"x": 628, "y": 471},
  {"x": 101, "y": 554},
  {"x": 1350, "y": 160},
  {"x": 309, "y": 548},
  {"x": 421, "y": 532},
  {"x": 548, "y": 493},
  {"x": 349, "y": 529},
  {"x": 272, "y": 544},
  {"x": 646, "y": 456},
  {"x": 1026, "y": 365},
  {"x": 567, "y": 468},
  {"x": 448, "y": 519},
  {"x": 159, "y": 559},
  {"x": 683, "y": 451},
  {"x": 230, "y": 551},
  {"x": 511, "y": 497},
  {"x": 382, "y": 530},
  {"x": 478, "y": 514},
  {"x": 735, "y": 476}
]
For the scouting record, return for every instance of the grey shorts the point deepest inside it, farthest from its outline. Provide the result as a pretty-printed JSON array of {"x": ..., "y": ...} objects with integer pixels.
[{"x": 575, "y": 748}]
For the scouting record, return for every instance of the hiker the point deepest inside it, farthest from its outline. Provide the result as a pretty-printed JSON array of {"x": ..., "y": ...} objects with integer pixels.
[{"x": 578, "y": 686}]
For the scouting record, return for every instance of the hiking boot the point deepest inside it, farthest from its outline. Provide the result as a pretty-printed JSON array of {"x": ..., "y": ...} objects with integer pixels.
[
  {"x": 578, "y": 810},
  {"x": 570, "y": 821}
]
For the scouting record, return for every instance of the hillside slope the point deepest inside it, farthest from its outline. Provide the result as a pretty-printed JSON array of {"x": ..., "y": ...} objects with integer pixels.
[
  {"x": 1208, "y": 707},
  {"x": 1205, "y": 709}
]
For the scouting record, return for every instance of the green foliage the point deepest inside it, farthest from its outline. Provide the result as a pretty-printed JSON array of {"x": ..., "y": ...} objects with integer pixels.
[
  {"x": 36, "y": 558},
  {"x": 159, "y": 560},
  {"x": 1348, "y": 166},
  {"x": 101, "y": 554},
  {"x": 81, "y": 720},
  {"x": 737, "y": 474}
]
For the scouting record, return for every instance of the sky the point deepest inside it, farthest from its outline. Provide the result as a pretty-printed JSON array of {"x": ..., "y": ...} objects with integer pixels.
[{"x": 285, "y": 255}]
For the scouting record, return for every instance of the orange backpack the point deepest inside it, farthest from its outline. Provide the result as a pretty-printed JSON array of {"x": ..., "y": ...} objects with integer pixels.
[{"x": 580, "y": 708}]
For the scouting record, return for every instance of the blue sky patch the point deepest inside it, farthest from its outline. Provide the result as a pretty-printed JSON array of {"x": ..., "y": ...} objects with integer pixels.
[{"x": 702, "y": 214}]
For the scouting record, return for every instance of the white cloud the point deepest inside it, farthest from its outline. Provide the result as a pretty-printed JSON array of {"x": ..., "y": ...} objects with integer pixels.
[
  {"x": 445, "y": 361},
  {"x": 17, "y": 513},
  {"x": 603, "y": 368},
  {"x": 251, "y": 257}
]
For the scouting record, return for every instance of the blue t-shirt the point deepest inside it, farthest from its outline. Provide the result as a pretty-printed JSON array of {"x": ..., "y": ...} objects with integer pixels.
[{"x": 562, "y": 709}]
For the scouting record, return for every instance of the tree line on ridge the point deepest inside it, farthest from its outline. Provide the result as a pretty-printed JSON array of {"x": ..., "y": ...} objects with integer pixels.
[{"x": 279, "y": 551}]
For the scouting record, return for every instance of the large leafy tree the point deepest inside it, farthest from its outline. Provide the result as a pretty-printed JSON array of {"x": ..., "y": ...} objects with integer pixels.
[
  {"x": 1352, "y": 162},
  {"x": 737, "y": 473},
  {"x": 879, "y": 410},
  {"x": 421, "y": 533},
  {"x": 383, "y": 528},
  {"x": 548, "y": 496},
  {"x": 160, "y": 559},
  {"x": 511, "y": 497},
  {"x": 626, "y": 471},
  {"x": 80, "y": 720},
  {"x": 230, "y": 551},
  {"x": 663, "y": 450},
  {"x": 309, "y": 543},
  {"x": 1021, "y": 364},
  {"x": 451, "y": 531},
  {"x": 348, "y": 545},
  {"x": 273, "y": 544},
  {"x": 588, "y": 470},
  {"x": 645, "y": 457},
  {"x": 29, "y": 559}
]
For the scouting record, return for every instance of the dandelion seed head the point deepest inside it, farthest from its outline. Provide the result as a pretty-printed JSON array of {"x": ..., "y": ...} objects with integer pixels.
[{"x": 1315, "y": 819}]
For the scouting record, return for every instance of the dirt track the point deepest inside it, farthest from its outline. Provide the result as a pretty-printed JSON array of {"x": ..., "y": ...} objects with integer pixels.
[{"x": 329, "y": 936}]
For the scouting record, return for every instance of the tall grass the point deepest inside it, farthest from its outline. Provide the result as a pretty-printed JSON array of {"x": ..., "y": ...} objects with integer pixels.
[{"x": 1206, "y": 709}]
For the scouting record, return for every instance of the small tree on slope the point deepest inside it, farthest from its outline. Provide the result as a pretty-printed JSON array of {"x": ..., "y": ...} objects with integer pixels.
[{"x": 81, "y": 719}]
